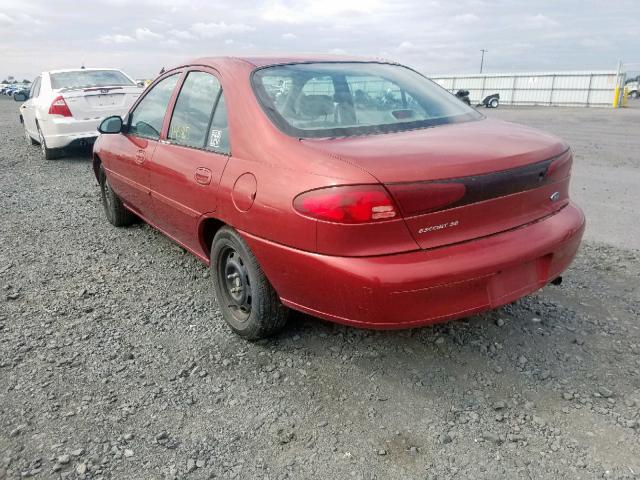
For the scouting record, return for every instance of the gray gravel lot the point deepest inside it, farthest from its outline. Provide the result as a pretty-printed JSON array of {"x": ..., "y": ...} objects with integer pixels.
[{"x": 115, "y": 363}]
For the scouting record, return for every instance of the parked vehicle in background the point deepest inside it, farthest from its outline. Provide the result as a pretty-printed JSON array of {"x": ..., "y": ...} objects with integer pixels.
[
  {"x": 21, "y": 90},
  {"x": 11, "y": 89},
  {"x": 633, "y": 87},
  {"x": 63, "y": 108},
  {"x": 491, "y": 101},
  {"x": 355, "y": 191}
]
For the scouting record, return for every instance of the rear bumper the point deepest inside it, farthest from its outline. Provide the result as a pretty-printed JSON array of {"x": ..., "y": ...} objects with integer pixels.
[
  {"x": 65, "y": 132},
  {"x": 428, "y": 286}
]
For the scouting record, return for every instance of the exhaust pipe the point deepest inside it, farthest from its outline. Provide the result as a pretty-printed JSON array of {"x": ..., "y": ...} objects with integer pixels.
[{"x": 556, "y": 281}]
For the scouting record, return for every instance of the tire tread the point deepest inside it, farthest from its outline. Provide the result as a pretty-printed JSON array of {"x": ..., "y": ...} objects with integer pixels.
[{"x": 268, "y": 315}]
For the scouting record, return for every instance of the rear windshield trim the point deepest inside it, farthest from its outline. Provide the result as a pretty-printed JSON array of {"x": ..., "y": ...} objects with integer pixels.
[{"x": 281, "y": 124}]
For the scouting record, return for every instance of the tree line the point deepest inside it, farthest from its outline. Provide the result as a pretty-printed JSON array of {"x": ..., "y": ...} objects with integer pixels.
[{"x": 11, "y": 79}]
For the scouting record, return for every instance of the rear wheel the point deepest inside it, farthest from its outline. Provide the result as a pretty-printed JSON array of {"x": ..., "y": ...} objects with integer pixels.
[
  {"x": 30, "y": 141},
  {"x": 248, "y": 302},
  {"x": 47, "y": 153},
  {"x": 115, "y": 211},
  {"x": 634, "y": 94},
  {"x": 494, "y": 103}
]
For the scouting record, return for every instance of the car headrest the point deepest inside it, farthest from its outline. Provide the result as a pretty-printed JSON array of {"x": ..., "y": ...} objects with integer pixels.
[
  {"x": 343, "y": 97},
  {"x": 316, "y": 105}
]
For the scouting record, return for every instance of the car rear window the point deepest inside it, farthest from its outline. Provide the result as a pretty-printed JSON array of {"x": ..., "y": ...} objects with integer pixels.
[
  {"x": 88, "y": 78},
  {"x": 337, "y": 99}
]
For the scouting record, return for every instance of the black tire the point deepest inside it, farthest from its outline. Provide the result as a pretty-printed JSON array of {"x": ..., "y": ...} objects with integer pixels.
[
  {"x": 634, "y": 94},
  {"x": 248, "y": 302},
  {"x": 494, "y": 103},
  {"x": 115, "y": 211},
  {"x": 47, "y": 153}
]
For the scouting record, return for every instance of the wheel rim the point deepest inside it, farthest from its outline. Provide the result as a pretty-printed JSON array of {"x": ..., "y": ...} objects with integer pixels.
[
  {"x": 43, "y": 145},
  {"x": 235, "y": 283}
]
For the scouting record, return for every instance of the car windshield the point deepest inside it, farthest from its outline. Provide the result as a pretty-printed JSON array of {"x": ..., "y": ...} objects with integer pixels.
[
  {"x": 88, "y": 78},
  {"x": 350, "y": 98}
]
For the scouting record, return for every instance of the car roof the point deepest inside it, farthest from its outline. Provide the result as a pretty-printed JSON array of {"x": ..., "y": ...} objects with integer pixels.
[{"x": 264, "y": 61}]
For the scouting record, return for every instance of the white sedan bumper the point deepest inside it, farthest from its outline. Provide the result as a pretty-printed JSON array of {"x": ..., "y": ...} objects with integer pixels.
[{"x": 60, "y": 132}]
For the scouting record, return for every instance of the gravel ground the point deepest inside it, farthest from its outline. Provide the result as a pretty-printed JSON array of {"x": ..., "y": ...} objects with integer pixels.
[{"x": 115, "y": 363}]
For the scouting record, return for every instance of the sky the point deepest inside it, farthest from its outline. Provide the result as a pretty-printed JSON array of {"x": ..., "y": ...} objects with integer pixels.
[{"x": 433, "y": 36}]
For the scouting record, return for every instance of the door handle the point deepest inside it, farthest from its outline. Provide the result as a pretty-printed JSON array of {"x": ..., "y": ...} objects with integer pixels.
[
  {"x": 140, "y": 156},
  {"x": 203, "y": 176}
]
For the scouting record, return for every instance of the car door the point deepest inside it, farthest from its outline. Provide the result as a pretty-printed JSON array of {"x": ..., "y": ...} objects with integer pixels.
[
  {"x": 131, "y": 152},
  {"x": 28, "y": 109},
  {"x": 188, "y": 164}
]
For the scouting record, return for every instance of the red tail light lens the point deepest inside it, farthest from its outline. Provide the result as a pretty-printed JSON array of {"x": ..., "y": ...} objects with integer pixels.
[
  {"x": 425, "y": 197},
  {"x": 59, "y": 107},
  {"x": 559, "y": 168},
  {"x": 348, "y": 204}
]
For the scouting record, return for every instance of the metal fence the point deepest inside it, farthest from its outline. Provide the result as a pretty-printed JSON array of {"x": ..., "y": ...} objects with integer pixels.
[{"x": 587, "y": 89}]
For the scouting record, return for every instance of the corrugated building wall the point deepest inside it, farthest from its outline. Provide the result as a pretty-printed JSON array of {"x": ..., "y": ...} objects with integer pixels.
[{"x": 588, "y": 89}]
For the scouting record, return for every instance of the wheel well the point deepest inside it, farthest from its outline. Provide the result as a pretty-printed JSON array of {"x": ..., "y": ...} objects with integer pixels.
[
  {"x": 96, "y": 166},
  {"x": 208, "y": 229}
]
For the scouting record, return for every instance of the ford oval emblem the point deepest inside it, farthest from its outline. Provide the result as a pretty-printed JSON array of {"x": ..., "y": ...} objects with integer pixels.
[{"x": 554, "y": 196}]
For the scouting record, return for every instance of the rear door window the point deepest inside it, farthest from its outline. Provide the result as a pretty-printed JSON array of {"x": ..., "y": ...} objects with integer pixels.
[
  {"x": 199, "y": 118},
  {"x": 192, "y": 114},
  {"x": 219, "y": 132},
  {"x": 147, "y": 118}
]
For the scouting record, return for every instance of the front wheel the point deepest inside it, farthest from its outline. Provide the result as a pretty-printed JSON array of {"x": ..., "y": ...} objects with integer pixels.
[
  {"x": 634, "y": 94},
  {"x": 494, "y": 103},
  {"x": 115, "y": 211},
  {"x": 248, "y": 302}
]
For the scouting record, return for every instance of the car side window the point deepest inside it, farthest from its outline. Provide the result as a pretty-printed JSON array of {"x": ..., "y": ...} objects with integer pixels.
[
  {"x": 146, "y": 120},
  {"x": 192, "y": 114},
  {"x": 35, "y": 88},
  {"x": 219, "y": 132}
]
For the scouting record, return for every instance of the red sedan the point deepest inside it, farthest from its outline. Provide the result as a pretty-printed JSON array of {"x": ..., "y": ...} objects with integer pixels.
[{"x": 356, "y": 191}]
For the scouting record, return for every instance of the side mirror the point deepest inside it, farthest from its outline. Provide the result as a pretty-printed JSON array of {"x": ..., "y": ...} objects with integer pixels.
[
  {"x": 20, "y": 97},
  {"x": 111, "y": 124}
]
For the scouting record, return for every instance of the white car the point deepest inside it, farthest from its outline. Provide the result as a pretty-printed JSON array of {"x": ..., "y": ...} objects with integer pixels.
[{"x": 64, "y": 107}]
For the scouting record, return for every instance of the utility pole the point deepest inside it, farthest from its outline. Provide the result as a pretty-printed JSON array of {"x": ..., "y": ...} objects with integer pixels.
[{"x": 482, "y": 58}]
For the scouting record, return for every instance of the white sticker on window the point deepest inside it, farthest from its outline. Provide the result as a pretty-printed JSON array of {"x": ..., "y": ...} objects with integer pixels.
[{"x": 214, "y": 140}]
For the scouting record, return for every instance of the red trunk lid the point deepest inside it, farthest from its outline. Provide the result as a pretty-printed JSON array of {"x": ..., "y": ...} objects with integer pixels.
[{"x": 458, "y": 182}]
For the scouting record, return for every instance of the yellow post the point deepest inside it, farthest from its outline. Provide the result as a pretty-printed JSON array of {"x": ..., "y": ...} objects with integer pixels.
[
  {"x": 616, "y": 96},
  {"x": 625, "y": 96}
]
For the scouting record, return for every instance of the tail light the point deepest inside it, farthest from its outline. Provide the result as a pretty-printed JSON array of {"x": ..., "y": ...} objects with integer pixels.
[
  {"x": 59, "y": 107},
  {"x": 559, "y": 168},
  {"x": 426, "y": 197},
  {"x": 347, "y": 204}
]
